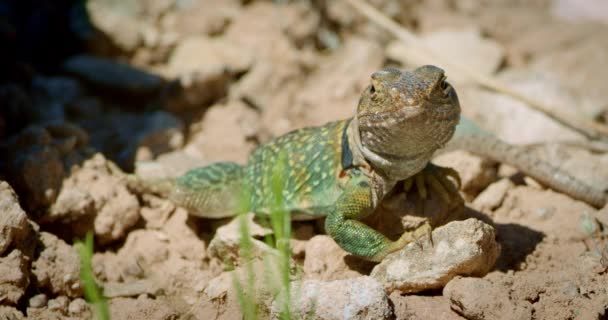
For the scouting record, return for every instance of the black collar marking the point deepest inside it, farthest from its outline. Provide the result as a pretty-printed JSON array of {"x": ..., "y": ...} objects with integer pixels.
[{"x": 347, "y": 153}]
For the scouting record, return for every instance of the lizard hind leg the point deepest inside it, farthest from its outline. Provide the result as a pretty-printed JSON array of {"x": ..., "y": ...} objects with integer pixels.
[{"x": 213, "y": 191}]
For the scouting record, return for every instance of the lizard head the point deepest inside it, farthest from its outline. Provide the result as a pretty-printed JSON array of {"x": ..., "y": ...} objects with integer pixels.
[{"x": 404, "y": 114}]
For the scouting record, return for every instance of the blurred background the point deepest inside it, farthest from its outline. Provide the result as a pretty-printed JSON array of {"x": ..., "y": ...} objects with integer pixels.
[{"x": 161, "y": 86}]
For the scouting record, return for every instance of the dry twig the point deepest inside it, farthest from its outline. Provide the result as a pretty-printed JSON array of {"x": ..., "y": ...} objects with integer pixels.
[{"x": 587, "y": 127}]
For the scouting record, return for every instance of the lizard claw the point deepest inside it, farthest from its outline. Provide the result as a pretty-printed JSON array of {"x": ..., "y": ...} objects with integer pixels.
[
  {"x": 424, "y": 230},
  {"x": 415, "y": 235},
  {"x": 438, "y": 179}
]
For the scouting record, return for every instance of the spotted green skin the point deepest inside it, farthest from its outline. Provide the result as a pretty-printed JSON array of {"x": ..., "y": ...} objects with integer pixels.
[
  {"x": 312, "y": 180},
  {"x": 309, "y": 179},
  {"x": 309, "y": 164}
]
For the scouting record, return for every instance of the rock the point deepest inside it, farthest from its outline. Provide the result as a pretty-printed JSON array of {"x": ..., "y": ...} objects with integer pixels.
[
  {"x": 184, "y": 239},
  {"x": 38, "y": 172},
  {"x": 304, "y": 21},
  {"x": 197, "y": 90},
  {"x": 132, "y": 288},
  {"x": 275, "y": 77},
  {"x": 577, "y": 10},
  {"x": 38, "y": 301},
  {"x": 602, "y": 216},
  {"x": 57, "y": 308},
  {"x": 142, "y": 307},
  {"x": 37, "y": 160},
  {"x": 204, "y": 17},
  {"x": 442, "y": 19},
  {"x": 475, "y": 173},
  {"x": 127, "y": 24},
  {"x": 58, "y": 146},
  {"x": 72, "y": 204},
  {"x": 204, "y": 68},
  {"x": 14, "y": 277},
  {"x": 130, "y": 137},
  {"x": 11, "y": 313},
  {"x": 79, "y": 308},
  {"x": 115, "y": 209},
  {"x": 168, "y": 165},
  {"x": 260, "y": 31},
  {"x": 14, "y": 226},
  {"x": 225, "y": 134},
  {"x": 186, "y": 279},
  {"x": 60, "y": 89},
  {"x": 144, "y": 251},
  {"x": 492, "y": 197},
  {"x": 554, "y": 92},
  {"x": 113, "y": 76},
  {"x": 50, "y": 95},
  {"x": 270, "y": 87},
  {"x": 161, "y": 132},
  {"x": 67, "y": 137},
  {"x": 57, "y": 268},
  {"x": 226, "y": 243},
  {"x": 481, "y": 299},
  {"x": 218, "y": 287},
  {"x": 42, "y": 103},
  {"x": 122, "y": 28},
  {"x": 258, "y": 281},
  {"x": 155, "y": 211},
  {"x": 547, "y": 37},
  {"x": 59, "y": 304},
  {"x": 200, "y": 54},
  {"x": 459, "y": 248},
  {"x": 506, "y": 112},
  {"x": 169, "y": 259},
  {"x": 507, "y": 25},
  {"x": 466, "y": 46},
  {"x": 579, "y": 67},
  {"x": 414, "y": 307},
  {"x": 327, "y": 95},
  {"x": 325, "y": 261},
  {"x": 355, "y": 298}
]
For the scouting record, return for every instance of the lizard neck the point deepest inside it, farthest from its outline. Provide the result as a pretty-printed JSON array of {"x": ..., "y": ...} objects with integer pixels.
[{"x": 391, "y": 167}]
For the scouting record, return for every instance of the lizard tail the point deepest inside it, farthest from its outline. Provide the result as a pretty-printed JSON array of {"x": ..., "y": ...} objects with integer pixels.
[
  {"x": 493, "y": 148},
  {"x": 213, "y": 191}
]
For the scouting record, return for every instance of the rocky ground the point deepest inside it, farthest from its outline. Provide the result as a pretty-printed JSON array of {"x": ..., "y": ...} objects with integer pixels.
[{"x": 161, "y": 86}]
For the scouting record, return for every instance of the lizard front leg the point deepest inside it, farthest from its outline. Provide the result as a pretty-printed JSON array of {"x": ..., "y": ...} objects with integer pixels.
[
  {"x": 437, "y": 178},
  {"x": 354, "y": 236}
]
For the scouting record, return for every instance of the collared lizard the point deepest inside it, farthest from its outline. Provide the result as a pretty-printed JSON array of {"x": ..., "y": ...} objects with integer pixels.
[{"x": 344, "y": 169}]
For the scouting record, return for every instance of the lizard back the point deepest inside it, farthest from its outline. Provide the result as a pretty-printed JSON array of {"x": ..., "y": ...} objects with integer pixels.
[{"x": 305, "y": 165}]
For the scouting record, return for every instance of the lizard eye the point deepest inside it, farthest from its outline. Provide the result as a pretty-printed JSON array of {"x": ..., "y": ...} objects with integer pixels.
[
  {"x": 445, "y": 88},
  {"x": 372, "y": 89}
]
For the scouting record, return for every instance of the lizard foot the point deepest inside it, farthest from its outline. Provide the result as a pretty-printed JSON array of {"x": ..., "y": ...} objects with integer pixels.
[
  {"x": 437, "y": 178},
  {"x": 414, "y": 235}
]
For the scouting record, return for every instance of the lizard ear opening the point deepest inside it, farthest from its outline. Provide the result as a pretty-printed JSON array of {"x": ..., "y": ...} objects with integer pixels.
[{"x": 372, "y": 89}]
